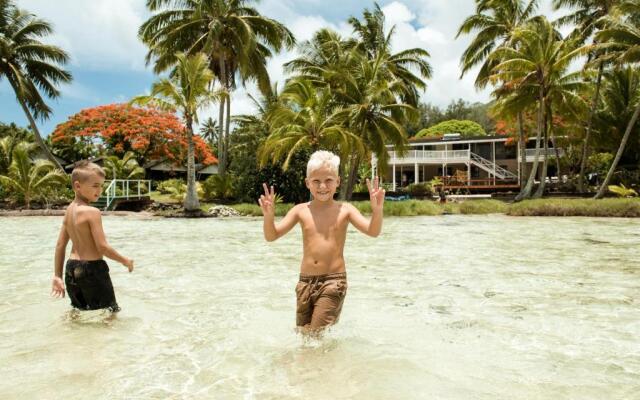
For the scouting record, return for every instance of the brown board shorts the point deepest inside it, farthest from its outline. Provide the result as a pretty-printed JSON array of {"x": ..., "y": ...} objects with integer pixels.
[{"x": 319, "y": 299}]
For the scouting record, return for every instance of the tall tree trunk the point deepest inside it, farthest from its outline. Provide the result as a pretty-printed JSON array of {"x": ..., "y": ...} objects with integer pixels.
[
  {"x": 616, "y": 160},
  {"x": 34, "y": 127},
  {"x": 523, "y": 150},
  {"x": 585, "y": 144},
  {"x": 227, "y": 136},
  {"x": 526, "y": 192},
  {"x": 344, "y": 179},
  {"x": 191, "y": 202},
  {"x": 221, "y": 151},
  {"x": 545, "y": 164},
  {"x": 353, "y": 174}
]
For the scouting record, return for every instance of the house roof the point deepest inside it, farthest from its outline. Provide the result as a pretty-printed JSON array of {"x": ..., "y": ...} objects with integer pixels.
[{"x": 97, "y": 160}]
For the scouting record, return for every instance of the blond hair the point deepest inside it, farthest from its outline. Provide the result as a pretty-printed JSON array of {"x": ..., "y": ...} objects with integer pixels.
[
  {"x": 84, "y": 169},
  {"x": 323, "y": 158}
]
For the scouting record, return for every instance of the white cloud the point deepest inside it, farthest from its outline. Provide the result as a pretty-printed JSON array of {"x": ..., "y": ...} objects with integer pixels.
[{"x": 99, "y": 34}]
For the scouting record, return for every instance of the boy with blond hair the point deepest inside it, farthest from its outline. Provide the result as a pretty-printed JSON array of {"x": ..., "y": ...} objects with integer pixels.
[
  {"x": 322, "y": 287},
  {"x": 86, "y": 273}
]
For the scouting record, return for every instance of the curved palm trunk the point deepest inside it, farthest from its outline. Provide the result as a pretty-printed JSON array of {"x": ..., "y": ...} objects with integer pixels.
[
  {"x": 523, "y": 150},
  {"x": 191, "y": 202},
  {"x": 616, "y": 160},
  {"x": 353, "y": 172},
  {"x": 585, "y": 144},
  {"x": 545, "y": 164},
  {"x": 526, "y": 192},
  {"x": 221, "y": 121},
  {"x": 227, "y": 137},
  {"x": 34, "y": 127}
]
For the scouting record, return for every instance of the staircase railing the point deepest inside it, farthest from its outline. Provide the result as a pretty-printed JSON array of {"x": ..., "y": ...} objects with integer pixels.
[
  {"x": 129, "y": 189},
  {"x": 492, "y": 167}
]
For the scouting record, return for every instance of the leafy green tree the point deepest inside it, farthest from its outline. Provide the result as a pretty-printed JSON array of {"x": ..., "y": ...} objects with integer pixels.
[
  {"x": 237, "y": 40},
  {"x": 587, "y": 17},
  {"x": 27, "y": 180},
  {"x": 30, "y": 66},
  {"x": 187, "y": 90},
  {"x": 464, "y": 128},
  {"x": 621, "y": 40}
]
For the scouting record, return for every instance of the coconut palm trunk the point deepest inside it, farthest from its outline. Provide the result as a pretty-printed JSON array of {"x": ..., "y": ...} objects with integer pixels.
[
  {"x": 585, "y": 144},
  {"x": 191, "y": 202},
  {"x": 221, "y": 120},
  {"x": 353, "y": 174},
  {"x": 526, "y": 192},
  {"x": 523, "y": 150},
  {"x": 545, "y": 165},
  {"x": 616, "y": 160},
  {"x": 34, "y": 127},
  {"x": 227, "y": 136}
]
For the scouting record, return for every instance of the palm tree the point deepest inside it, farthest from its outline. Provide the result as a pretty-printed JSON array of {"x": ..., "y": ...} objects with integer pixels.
[
  {"x": 306, "y": 119},
  {"x": 620, "y": 94},
  {"x": 367, "y": 81},
  {"x": 621, "y": 40},
  {"x": 495, "y": 22},
  {"x": 187, "y": 90},
  {"x": 126, "y": 167},
  {"x": 373, "y": 42},
  {"x": 587, "y": 17},
  {"x": 30, "y": 66},
  {"x": 209, "y": 131},
  {"x": 27, "y": 179},
  {"x": 375, "y": 111},
  {"x": 235, "y": 37},
  {"x": 536, "y": 68}
]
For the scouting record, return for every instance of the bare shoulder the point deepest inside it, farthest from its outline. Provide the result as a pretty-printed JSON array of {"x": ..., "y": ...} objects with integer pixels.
[{"x": 90, "y": 212}]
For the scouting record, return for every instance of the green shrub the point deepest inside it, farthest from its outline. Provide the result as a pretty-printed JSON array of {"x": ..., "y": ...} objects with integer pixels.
[
  {"x": 171, "y": 186},
  {"x": 420, "y": 189},
  {"x": 485, "y": 206},
  {"x": 218, "y": 187},
  {"x": 577, "y": 207},
  {"x": 254, "y": 210}
]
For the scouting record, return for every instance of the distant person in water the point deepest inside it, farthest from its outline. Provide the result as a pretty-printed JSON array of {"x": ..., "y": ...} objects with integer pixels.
[
  {"x": 86, "y": 273},
  {"x": 323, "y": 279}
]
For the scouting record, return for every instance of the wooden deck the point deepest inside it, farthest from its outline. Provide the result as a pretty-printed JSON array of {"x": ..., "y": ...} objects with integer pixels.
[{"x": 456, "y": 183}]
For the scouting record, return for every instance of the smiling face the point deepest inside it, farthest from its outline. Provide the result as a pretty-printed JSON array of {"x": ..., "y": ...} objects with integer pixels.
[
  {"x": 322, "y": 183},
  {"x": 90, "y": 188}
]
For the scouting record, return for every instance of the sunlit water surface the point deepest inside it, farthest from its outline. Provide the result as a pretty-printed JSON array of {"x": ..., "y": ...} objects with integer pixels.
[{"x": 452, "y": 307}]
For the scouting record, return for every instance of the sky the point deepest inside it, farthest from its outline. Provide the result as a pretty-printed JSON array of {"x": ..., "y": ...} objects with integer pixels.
[{"x": 107, "y": 58}]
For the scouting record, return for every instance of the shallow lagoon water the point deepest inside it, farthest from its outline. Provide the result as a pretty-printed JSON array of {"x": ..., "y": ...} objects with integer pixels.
[{"x": 450, "y": 307}]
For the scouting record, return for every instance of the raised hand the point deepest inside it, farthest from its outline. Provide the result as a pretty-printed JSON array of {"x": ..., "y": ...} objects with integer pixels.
[
  {"x": 376, "y": 194},
  {"x": 57, "y": 287},
  {"x": 267, "y": 201}
]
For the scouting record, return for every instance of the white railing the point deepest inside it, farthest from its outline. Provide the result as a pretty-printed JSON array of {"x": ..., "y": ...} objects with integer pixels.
[
  {"x": 531, "y": 153},
  {"x": 492, "y": 167},
  {"x": 431, "y": 155},
  {"x": 126, "y": 189}
]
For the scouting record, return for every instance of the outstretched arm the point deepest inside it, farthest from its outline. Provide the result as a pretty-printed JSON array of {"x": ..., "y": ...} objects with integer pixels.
[
  {"x": 95, "y": 222},
  {"x": 371, "y": 227},
  {"x": 57, "y": 284},
  {"x": 273, "y": 231}
]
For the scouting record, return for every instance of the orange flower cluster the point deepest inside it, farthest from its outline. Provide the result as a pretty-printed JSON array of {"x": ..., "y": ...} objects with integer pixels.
[{"x": 148, "y": 132}]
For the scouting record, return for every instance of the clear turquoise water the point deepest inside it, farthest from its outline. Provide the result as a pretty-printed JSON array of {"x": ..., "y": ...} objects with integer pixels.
[{"x": 452, "y": 307}]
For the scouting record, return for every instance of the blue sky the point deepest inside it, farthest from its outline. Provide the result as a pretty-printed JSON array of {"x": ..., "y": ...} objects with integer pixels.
[{"x": 107, "y": 59}]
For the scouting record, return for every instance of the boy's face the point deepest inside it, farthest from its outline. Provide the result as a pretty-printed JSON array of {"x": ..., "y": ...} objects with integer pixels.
[
  {"x": 323, "y": 183},
  {"x": 90, "y": 189}
]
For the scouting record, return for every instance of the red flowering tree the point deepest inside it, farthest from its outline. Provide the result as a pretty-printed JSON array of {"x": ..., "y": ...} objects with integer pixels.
[{"x": 148, "y": 132}]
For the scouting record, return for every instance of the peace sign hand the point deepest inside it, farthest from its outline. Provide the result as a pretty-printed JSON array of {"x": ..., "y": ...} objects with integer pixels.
[
  {"x": 376, "y": 194},
  {"x": 267, "y": 201}
]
